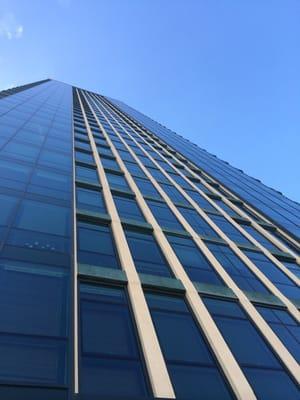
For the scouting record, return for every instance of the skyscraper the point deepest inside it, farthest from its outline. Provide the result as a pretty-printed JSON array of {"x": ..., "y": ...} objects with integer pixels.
[{"x": 135, "y": 264}]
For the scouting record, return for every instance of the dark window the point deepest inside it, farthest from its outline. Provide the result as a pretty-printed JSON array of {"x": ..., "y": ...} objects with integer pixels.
[
  {"x": 262, "y": 369},
  {"x": 197, "y": 222},
  {"x": 237, "y": 270},
  {"x": 87, "y": 174},
  {"x": 146, "y": 187},
  {"x": 189, "y": 360},
  {"x": 110, "y": 359},
  {"x": 286, "y": 242},
  {"x": 225, "y": 207},
  {"x": 128, "y": 208},
  {"x": 293, "y": 267},
  {"x": 134, "y": 169},
  {"x": 147, "y": 256},
  {"x": 164, "y": 215},
  {"x": 109, "y": 163},
  {"x": 174, "y": 194},
  {"x": 95, "y": 246},
  {"x": 233, "y": 233},
  {"x": 276, "y": 276},
  {"x": 84, "y": 157},
  {"x": 200, "y": 200},
  {"x": 260, "y": 238},
  {"x": 194, "y": 262},
  {"x": 117, "y": 181},
  {"x": 285, "y": 327},
  {"x": 43, "y": 217},
  {"x": 158, "y": 175},
  {"x": 90, "y": 200}
]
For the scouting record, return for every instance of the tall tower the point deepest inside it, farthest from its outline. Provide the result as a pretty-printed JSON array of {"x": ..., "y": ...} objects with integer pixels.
[{"x": 134, "y": 264}]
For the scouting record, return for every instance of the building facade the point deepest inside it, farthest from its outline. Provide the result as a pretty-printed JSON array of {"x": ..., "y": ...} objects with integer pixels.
[{"x": 134, "y": 264}]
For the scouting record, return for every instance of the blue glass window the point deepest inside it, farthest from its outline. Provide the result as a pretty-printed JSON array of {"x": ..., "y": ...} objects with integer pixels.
[
  {"x": 285, "y": 327},
  {"x": 197, "y": 222},
  {"x": 256, "y": 359},
  {"x": 134, "y": 169},
  {"x": 280, "y": 280},
  {"x": 193, "y": 260},
  {"x": 96, "y": 246},
  {"x": 229, "y": 229},
  {"x": 84, "y": 157},
  {"x": 200, "y": 200},
  {"x": 43, "y": 217},
  {"x": 110, "y": 360},
  {"x": 128, "y": 208},
  {"x": 146, "y": 187},
  {"x": 164, "y": 215},
  {"x": 117, "y": 181},
  {"x": 147, "y": 256},
  {"x": 8, "y": 205},
  {"x": 191, "y": 366},
  {"x": 293, "y": 267},
  {"x": 260, "y": 238},
  {"x": 91, "y": 200},
  {"x": 174, "y": 194},
  {"x": 225, "y": 207},
  {"x": 87, "y": 174},
  {"x": 237, "y": 270}
]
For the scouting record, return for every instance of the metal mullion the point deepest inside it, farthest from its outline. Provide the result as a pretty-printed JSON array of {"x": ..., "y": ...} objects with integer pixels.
[
  {"x": 224, "y": 356},
  {"x": 255, "y": 316},
  {"x": 231, "y": 244},
  {"x": 156, "y": 367}
]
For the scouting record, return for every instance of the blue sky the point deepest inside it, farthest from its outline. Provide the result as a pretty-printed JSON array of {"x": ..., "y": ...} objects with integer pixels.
[{"x": 224, "y": 73}]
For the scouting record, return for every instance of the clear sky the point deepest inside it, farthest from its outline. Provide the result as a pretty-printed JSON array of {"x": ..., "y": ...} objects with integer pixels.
[{"x": 224, "y": 73}]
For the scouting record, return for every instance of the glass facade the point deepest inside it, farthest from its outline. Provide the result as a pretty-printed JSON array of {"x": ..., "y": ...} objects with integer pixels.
[{"x": 115, "y": 276}]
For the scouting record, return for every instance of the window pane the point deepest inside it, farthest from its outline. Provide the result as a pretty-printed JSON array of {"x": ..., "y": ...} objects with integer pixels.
[
  {"x": 187, "y": 355},
  {"x": 164, "y": 215},
  {"x": 147, "y": 256},
  {"x": 90, "y": 200},
  {"x": 128, "y": 208},
  {"x": 194, "y": 262},
  {"x": 110, "y": 359},
  {"x": 95, "y": 246}
]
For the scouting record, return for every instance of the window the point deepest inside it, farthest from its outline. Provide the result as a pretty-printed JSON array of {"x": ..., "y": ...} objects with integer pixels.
[
  {"x": 286, "y": 242},
  {"x": 146, "y": 187},
  {"x": 134, "y": 169},
  {"x": 225, "y": 207},
  {"x": 110, "y": 360},
  {"x": 117, "y": 181},
  {"x": 237, "y": 270},
  {"x": 158, "y": 175},
  {"x": 276, "y": 276},
  {"x": 190, "y": 363},
  {"x": 104, "y": 150},
  {"x": 8, "y": 205},
  {"x": 164, "y": 215},
  {"x": 174, "y": 194},
  {"x": 147, "y": 256},
  {"x": 262, "y": 369},
  {"x": 193, "y": 261},
  {"x": 84, "y": 157},
  {"x": 96, "y": 246},
  {"x": 229, "y": 230},
  {"x": 33, "y": 326},
  {"x": 109, "y": 163},
  {"x": 180, "y": 180},
  {"x": 128, "y": 208},
  {"x": 260, "y": 238},
  {"x": 200, "y": 200},
  {"x": 293, "y": 267},
  {"x": 91, "y": 200},
  {"x": 197, "y": 222},
  {"x": 126, "y": 156},
  {"x": 43, "y": 217},
  {"x": 86, "y": 174},
  {"x": 285, "y": 327}
]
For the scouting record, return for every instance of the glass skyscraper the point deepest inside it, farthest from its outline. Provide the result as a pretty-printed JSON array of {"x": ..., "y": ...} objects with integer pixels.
[{"x": 134, "y": 264}]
